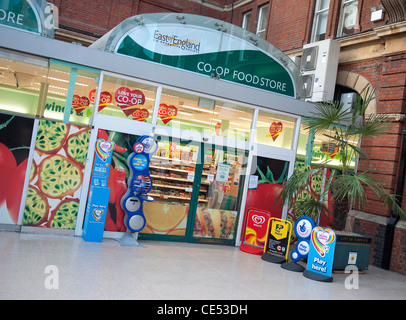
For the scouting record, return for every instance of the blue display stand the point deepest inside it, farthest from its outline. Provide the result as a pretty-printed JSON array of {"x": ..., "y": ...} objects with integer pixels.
[
  {"x": 99, "y": 194},
  {"x": 139, "y": 184},
  {"x": 96, "y": 212}
]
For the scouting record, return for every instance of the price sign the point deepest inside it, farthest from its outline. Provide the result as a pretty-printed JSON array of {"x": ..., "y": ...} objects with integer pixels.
[{"x": 277, "y": 244}]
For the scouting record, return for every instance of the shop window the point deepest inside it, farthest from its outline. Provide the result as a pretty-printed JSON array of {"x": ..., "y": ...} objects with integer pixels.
[
  {"x": 275, "y": 130},
  {"x": 190, "y": 112},
  {"x": 302, "y": 144},
  {"x": 20, "y": 85},
  {"x": 69, "y": 92},
  {"x": 232, "y": 121},
  {"x": 348, "y": 23},
  {"x": 319, "y": 148},
  {"x": 320, "y": 20},
  {"x": 127, "y": 99},
  {"x": 326, "y": 149},
  {"x": 262, "y": 21}
]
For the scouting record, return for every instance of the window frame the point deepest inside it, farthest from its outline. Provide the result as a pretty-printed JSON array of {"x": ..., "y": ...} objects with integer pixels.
[
  {"x": 246, "y": 20},
  {"x": 318, "y": 12},
  {"x": 344, "y": 5},
  {"x": 262, "y": 29}
]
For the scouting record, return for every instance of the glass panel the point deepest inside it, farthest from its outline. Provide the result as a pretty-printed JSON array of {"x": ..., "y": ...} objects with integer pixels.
[
  {"x": 119, "y": 41},
  {"x": 127, "y": 99},
  {"x": 20, "y": 86},
  {"x": 321, "y": 26},
  {"x": 320, "y": 20},
  {"x": 262, "y": 21},
  {"x": 172, "y": 170},
  {"x": 275, "y": 130},
  {"x": 60, "y": 151},
  {"x": 302, "y": 144},
  {"x": 83, "y": 102},
  {"x": 182, "y": 110},
  {"x": 59, "y": 78},
  {"x": 189, "y": 112},
  {"x": 349, "y": 18},
  {"x": 247, "y": 20},
  {"x": 324, "y": 4},
  {"x": 220, "y": 193},
  {"x": 232, "y": 121},
  {"x": 325, "y": 149}
]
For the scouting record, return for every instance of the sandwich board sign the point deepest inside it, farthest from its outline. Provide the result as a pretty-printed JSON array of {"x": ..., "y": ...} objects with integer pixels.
[
  {"x": 303, "y": 230},
  {"x": 254, "y": 236},
  {"x": 321, "y": 255},
  {"x": 278, "y": 238}
]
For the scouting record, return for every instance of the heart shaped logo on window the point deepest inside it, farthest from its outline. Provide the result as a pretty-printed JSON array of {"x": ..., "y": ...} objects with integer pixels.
[{"x": 167, "y": 113}]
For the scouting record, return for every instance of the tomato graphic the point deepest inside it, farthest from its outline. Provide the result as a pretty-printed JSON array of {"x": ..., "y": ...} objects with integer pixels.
[
  {"x": 264, "y": 198},
  {"x": 15, "y": 190},
  {"x": 8, "y": 165}
]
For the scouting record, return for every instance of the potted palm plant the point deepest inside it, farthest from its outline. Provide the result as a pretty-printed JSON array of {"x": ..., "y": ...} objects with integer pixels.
[{"x": 342, "y": 126}]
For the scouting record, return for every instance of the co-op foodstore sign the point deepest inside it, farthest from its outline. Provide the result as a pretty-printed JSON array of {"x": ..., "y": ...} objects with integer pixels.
[
  {"x": 208, "y": 52},
  {"x": 28, "y": 15}
]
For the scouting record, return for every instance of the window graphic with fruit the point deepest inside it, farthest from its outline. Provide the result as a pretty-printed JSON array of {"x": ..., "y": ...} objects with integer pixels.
[
  {"x": 56, "y": 175},
  {"x": 15, "y": 139}
]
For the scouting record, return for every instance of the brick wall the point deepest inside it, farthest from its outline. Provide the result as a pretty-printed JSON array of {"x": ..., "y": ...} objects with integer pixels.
[
  {"x": 398, "y": 261},
  {"x": 377, "y": 227},
  {"x": 97, "y": 18}
]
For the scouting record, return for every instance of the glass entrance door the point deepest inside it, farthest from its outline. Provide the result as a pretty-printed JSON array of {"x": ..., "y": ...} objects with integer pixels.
[
  {"x": 197, "y": 191},
  {"x": 221, "y": 185},
  {"x": 173, "y": 172}
]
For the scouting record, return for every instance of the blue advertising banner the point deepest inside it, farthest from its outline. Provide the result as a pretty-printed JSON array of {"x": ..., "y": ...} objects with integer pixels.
[
  {"x": 321, "y": 255},
  {"x": 101, "y": 167},
  {"x": 99, "y": 194},
  {"x": 96, "y": 211}
]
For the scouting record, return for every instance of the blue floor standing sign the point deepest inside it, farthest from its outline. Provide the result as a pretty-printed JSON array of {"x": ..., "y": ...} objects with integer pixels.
[
  {"x": 98, "y": 199},
  {"x": 139, "y": 184},
  {"x": 321, "y": 255},
  {"x": 303, "y": 229}
]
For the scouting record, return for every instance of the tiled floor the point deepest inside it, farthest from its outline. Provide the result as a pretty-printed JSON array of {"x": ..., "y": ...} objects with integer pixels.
[{"x": 164, "y": 270}]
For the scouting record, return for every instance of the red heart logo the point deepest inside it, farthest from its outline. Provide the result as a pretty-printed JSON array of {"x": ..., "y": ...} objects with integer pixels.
[
  {"x": 105, "y": 98},
  {"x": 275, "y": 130},
  {"x": 217, "y": 128},
  {"x": 140, "y": 114},
  {"x": 167, "y": 113},
  {"x": 80, "y": 103},
  {"x": 129, "y": 100}
]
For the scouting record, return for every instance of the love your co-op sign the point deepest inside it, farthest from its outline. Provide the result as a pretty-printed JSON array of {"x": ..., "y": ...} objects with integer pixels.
[{"x": 207, "y": 51}]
